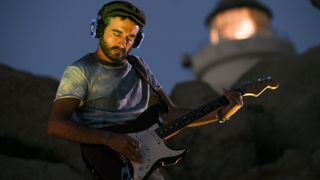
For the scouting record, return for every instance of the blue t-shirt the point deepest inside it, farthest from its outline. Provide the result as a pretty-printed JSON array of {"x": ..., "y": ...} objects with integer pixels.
[{"x": 109, "y": 95}]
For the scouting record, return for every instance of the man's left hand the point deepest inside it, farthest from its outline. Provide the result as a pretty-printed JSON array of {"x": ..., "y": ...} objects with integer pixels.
[{"x": 235, "y": 103}]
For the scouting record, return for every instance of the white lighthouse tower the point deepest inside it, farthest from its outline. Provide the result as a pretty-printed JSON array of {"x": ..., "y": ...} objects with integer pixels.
[{"x": 240, "y": 36}]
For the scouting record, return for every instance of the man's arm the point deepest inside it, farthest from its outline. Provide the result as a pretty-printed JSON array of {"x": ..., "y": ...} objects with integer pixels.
[
  {"x": 60, "y": 125},
  {"x": 235, "y": 103}
]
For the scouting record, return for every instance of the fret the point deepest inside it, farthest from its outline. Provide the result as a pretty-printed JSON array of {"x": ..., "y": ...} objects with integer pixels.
[
  {"x": 207, "y": 108},
  {"x": 178, "y": 124},
  {"x": 212, "y": 107},
  {"x": 166, "y": 131},
  {"x": 199, "y": 113},
  {"x": 185, "y": 119},
  {"x": 221, "y": 101},
  {"x": 181, "y": 122},
  {"x": 192, "y": 115},
  {"x": 216, "y": 104},
  {"x": 203, "y": 110}
]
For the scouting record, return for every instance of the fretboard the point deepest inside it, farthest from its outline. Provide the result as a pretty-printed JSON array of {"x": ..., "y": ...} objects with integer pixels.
[{"x": 190, "y": 117}]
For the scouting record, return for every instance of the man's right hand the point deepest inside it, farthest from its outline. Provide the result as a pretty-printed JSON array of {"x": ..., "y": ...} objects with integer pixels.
[
  {"x": 60, "y": 125},
  {"x": 125, "y": 145}
]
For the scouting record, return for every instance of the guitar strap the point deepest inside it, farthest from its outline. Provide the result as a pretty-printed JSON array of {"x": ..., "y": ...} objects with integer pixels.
[{"x": 136, "y": 63}]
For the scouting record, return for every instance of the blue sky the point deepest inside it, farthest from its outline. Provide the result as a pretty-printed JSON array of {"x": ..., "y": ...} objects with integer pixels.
[{"x": 43, "y": 37}]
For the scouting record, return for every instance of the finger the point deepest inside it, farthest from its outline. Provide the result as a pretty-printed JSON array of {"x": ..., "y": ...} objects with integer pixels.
[
  {"x": 228, "y": 94},
  {"x": 233, "y": 97},
  {"x": 135, "y": 144},
  {"x": 237, "y": 98},
  {"x": 241, "y": 100},
  {"x": 133, "y": 154},
  {"x": 136, "y": 153}
]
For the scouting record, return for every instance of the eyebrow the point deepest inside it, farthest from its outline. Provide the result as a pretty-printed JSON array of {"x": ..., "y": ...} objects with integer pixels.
[{"x": 118, "y": 31}]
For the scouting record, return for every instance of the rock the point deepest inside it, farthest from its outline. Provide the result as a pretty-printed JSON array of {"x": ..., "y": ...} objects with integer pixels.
[
  {"x": 25, "y": 105},
  {"x": 21, "y": 169}
]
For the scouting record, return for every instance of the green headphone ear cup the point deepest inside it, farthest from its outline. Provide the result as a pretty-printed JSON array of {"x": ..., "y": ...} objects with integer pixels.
[{"x": 100, "y": 28}]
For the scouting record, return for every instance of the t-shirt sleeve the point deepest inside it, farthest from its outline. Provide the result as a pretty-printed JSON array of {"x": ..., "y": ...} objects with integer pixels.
[{"x": 73, "y": 84}]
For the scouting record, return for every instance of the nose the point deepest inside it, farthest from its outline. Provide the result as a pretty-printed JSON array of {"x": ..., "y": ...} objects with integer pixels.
[{"x": 123, "y": 42}]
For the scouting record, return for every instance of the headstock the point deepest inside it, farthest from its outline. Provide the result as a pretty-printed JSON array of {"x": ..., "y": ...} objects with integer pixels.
[{"x": 255, "y": 88}]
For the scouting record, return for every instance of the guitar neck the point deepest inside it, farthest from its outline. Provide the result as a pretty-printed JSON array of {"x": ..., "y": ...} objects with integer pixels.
[
  {"x": 192, "y": 116},
  {"x": 248, "y": 89}
]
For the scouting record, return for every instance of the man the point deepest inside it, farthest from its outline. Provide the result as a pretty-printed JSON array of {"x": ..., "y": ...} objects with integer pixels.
[{"x": 102, "y": 89}]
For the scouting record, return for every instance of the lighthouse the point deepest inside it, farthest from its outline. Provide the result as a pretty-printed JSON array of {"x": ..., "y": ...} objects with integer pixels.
[{"x": 240, "y": 36}]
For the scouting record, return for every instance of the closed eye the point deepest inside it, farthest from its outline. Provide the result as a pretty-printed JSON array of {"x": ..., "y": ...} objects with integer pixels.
[{"x": 116, "y": 33}]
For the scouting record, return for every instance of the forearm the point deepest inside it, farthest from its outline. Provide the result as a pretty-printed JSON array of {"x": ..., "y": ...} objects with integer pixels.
[
  {"x": 69, "y": 130},
  {"x": 235, "y": 102},
  {"x": 225, "y": 114}
]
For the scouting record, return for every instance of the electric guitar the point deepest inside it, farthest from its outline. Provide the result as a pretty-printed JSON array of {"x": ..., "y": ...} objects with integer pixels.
[{"x": 152, "y": 136}]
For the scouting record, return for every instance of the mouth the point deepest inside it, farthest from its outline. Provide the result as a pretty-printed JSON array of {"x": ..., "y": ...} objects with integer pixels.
[{"x": 117, "y": 49}]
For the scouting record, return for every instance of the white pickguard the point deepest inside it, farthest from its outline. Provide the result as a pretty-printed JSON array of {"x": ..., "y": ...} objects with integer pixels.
[{"x": 152, "y": 149}]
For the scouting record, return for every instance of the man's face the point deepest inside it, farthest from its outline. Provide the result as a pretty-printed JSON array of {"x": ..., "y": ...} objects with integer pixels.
[{"x": 118, "y": 38}]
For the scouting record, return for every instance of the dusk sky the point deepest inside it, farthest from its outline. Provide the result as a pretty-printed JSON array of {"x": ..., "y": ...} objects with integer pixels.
[{"x": 43, "y": 37}]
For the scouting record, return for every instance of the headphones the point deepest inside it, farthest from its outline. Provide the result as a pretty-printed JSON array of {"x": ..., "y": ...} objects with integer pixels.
[{"x": 118, "y": 8}]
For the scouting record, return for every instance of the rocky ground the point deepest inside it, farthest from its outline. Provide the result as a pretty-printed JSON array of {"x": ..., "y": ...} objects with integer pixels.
[{"x": 27, "y": 152}]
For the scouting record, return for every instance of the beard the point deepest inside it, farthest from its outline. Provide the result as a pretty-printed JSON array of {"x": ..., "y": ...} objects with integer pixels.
[{"x": 114, "y": 53}]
